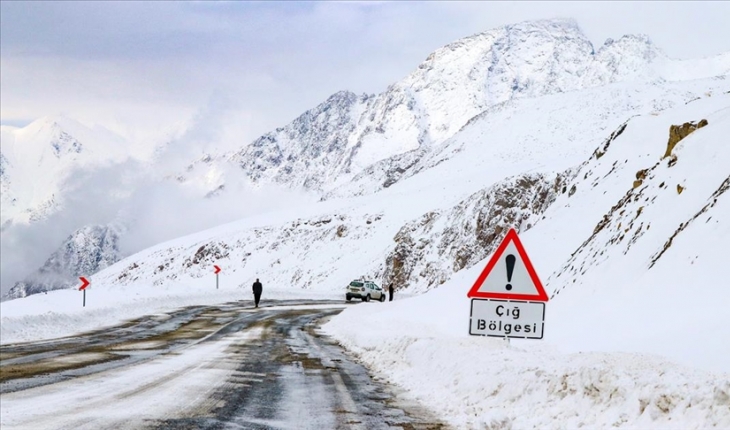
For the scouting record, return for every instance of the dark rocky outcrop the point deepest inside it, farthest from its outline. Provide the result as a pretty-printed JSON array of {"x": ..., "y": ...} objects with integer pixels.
[
  {"x": 469, "y": 232},
  {"x": 679, "y": 132}
]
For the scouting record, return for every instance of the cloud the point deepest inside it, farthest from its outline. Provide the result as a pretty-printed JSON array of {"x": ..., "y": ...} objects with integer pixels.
[
  {"x": 146, "y": 199},
  {"x": 151, "y": 209}
]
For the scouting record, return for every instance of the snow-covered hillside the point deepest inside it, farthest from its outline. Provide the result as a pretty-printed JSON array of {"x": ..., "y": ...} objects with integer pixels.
[
  {"x": 553, "y": 132},
  {"x": 443, "y": 218},
  {"x": 634, "y": 257}
]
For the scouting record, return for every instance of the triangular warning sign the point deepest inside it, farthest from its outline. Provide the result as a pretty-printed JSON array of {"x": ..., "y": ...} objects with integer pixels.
[{"x": 509, "y": 275}]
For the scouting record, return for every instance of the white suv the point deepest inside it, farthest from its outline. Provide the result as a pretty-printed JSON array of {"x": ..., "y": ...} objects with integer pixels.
[{"x": 364, "y": 290}]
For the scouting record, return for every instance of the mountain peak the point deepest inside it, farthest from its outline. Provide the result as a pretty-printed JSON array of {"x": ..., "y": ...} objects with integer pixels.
[
  {"x": 515, "y": 34},
  {"x": 341, "y": 95},
  {"x": 639, "y": 45},
  {"x": 53, "y": 125},
  {"x": 564, "y": 23}
]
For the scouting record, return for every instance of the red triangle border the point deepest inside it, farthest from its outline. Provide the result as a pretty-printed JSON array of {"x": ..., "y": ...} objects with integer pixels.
[{"x": 541, "y": 295}]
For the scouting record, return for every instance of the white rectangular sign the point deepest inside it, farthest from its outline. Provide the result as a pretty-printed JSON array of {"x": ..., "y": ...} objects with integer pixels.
[{"x": 507, "y": 318}]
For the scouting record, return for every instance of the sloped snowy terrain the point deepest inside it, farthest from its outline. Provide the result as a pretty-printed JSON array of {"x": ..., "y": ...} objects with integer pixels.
[
  {"x": 522, "y": 133},
  {"x": 636, "y": 271},
  {"x": 468, "y": 232},
  {"x": 449, "y": 216}
]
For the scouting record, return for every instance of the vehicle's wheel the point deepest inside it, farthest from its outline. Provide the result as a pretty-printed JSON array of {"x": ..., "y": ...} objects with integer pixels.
[
  {"x": 348, "y": 298},
  {"x": 382, "y": 298},
  {"x": 367, "y": 298}
]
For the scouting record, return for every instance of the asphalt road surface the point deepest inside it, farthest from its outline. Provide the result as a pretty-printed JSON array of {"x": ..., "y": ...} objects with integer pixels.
[{"x": 205, "y": 367}]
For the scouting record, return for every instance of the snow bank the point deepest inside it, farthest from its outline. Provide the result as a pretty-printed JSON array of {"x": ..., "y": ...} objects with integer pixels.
[{"x": 422, "y": 345}]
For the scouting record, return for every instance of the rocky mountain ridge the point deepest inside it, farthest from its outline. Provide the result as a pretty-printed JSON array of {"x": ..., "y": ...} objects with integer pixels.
[
  {"x": 347, "y": 134},
  {"x": 85, "y": 252}
]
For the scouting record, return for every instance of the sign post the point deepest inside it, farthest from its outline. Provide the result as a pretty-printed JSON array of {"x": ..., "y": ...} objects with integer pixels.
[
  {"x": 508, "y": 299},
  {"x": 85, "y": 283},
  {"x": 217, "y": 270}
]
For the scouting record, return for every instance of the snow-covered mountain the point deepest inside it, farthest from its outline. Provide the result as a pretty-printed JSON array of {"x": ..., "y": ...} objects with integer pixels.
[
  {"x": 526, "y": 103},
  {"x": 86, "y": 251},
  {"x": 421, "y": 231},
  {"x": 37, "y": 159},
  {"x": 346, "y": 134}
]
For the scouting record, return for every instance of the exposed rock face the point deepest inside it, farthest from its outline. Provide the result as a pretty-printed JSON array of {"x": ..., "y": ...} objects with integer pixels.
[
  {"x": 429, "y": 250},
  {"x": 317, "y": 138},
  {"x": 63, "y": 143},
  {"x": 679, "y": 132},
  {"x": 88, "y": 250}
]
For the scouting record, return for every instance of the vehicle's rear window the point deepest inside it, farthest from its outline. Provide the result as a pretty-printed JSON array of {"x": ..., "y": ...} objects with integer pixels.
[{"x": 356, "y": 284}]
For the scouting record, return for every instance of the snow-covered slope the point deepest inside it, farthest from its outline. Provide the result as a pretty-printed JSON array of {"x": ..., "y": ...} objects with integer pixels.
[
  {"x": 470, "y": 100},
  {"x": 560, "y": 128},
  {"x": 424, "y": 228},
  {"x": 429, "y": 250},
  {"x": 636, "y": 268},
  {"x": 37, "y": 159},
  {"x": 653, "y": 250}
]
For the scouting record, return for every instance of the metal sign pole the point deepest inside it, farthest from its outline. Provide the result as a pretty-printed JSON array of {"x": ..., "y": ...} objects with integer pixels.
[
  {"x": 216, "y": 281},
  {"x": 84, "y": 297}
]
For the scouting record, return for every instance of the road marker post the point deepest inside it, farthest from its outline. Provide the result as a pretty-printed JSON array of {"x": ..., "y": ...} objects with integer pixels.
[
  {"x": 85, "y": 283},
  {"x": 217, "y": 271},
  {"x": 508, "y": 299}
]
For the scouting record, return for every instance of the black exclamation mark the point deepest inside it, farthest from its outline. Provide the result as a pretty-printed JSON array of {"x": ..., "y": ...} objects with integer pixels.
[{"x": 510, "y": 260}]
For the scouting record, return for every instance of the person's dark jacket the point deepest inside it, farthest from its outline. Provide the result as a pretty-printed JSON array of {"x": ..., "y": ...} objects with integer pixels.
[{"x": 257, "y": 287}]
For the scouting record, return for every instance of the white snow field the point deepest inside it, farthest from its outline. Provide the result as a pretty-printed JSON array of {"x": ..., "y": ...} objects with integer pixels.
[{"x": 569, "y": 150}]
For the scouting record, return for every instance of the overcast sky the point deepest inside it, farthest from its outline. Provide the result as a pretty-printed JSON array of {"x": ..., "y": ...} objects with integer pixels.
[{"x": 141, "y": 68}]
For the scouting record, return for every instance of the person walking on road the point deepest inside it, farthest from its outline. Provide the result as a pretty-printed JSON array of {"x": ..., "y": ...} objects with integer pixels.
[
  {"x": 257, "y": 289},
  {"x": 390, "y": 292}
]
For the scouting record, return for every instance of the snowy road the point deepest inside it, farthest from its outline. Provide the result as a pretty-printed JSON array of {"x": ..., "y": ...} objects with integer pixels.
[{"x": 210, "y": 367}]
